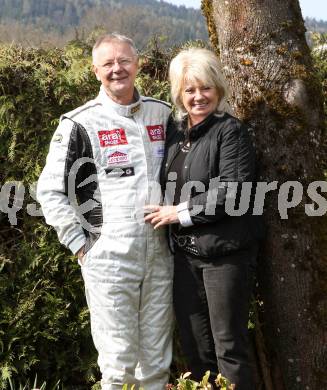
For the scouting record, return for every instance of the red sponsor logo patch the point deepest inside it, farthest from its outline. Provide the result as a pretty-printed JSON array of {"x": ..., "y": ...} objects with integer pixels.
[
  {"x": 118, "y": 158},
  {"x": 112, "y": 137},
  {"x": 156, "y": 133}
]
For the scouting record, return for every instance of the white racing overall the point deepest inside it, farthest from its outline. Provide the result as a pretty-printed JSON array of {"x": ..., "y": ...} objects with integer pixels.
[{"x": 110, "y": 155}]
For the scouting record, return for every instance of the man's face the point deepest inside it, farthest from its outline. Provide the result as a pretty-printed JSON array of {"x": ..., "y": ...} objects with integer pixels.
[{"x": 115, "y": 65}]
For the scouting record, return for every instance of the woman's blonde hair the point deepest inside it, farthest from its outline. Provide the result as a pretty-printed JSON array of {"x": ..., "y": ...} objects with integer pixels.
[{"x": 195, "y": 65}]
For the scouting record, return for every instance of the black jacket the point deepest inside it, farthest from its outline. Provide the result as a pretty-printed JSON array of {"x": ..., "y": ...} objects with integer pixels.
[{"x": 221, "y": 153}]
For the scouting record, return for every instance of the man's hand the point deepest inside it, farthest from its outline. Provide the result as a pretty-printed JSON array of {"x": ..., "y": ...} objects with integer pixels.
[{"x": 161, "y": 215}]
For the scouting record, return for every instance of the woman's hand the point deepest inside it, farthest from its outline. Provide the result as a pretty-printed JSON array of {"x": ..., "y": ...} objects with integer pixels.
[{"x": 161, "y": 215}]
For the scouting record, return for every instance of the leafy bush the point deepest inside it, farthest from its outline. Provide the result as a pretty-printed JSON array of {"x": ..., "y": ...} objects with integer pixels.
[
  {"x": 44, "y": 323},
  {"x": 184, "y": 383},
  {"x": 27, "y": 386}
]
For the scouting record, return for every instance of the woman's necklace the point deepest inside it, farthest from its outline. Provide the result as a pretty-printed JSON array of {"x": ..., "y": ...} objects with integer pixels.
[
  {"x": 186, "y": 147},
  {"x": 186, "y": 144}
]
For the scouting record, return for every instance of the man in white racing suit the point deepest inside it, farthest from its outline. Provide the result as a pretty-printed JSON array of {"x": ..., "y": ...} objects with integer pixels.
[{"x": 103, "y": 160}]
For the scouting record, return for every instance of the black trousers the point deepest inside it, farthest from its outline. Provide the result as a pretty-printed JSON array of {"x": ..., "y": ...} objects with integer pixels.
[{"x": 211, "y": 300}]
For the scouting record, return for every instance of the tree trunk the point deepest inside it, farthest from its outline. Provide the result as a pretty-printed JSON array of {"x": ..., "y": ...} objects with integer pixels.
[{"x": 273, "y": 87}]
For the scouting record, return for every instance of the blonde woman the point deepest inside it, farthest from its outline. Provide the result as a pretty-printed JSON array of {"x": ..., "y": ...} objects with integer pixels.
[{"x": 215, "y": 253}]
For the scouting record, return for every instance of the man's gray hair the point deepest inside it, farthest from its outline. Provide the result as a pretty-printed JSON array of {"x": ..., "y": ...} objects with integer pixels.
[{"x": 114, "y": 37}]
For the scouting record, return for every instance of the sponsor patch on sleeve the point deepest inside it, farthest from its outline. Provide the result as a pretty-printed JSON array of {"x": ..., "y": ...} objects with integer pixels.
[
  {"x": 57, "y": 138},
  {"x": 156, "y": 133},
  {"x": 112, "y": 137}
]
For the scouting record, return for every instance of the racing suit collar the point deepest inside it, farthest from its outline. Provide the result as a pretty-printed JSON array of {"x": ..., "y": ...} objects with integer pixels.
[{"x": 123, "y": 110}]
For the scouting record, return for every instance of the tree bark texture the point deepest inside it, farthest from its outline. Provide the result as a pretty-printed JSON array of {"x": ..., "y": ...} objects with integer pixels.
[{"x": 273, "y": 87}]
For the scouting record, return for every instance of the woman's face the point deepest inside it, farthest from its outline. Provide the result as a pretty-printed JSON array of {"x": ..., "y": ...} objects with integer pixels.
[{"x": 199, "y": 101}]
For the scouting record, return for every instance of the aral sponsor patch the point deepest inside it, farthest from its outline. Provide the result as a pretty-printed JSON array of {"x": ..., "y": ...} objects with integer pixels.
[
  {"x": 118, "y": 157},
  {"x": 112, "y": 137},
  {"x": 156, "y": 133},
  {"x": 120, "y": 172}
]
